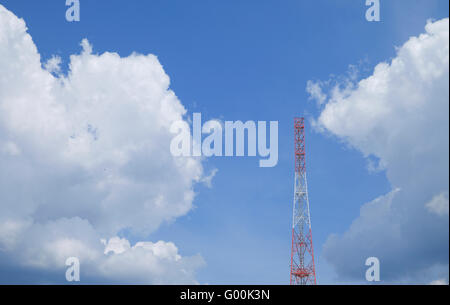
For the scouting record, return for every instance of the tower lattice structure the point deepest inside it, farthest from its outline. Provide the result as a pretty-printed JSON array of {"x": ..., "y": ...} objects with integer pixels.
[{"x": 303, "y": 271}]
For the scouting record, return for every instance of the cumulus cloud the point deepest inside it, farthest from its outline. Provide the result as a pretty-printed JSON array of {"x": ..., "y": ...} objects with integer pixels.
[
  {"x": 53, "y": 65},
  {"x": 84, "y": 156},
  {"x": 398, "y": 116}
]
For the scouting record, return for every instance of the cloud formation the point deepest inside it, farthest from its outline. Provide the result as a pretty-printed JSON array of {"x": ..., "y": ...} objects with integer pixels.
[
  {"x": 84, "y": 156},
  {"x": 399, "y": 116}
]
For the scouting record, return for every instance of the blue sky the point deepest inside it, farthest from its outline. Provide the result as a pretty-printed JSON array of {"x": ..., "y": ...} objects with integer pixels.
[{"x": 249, "y": 60}]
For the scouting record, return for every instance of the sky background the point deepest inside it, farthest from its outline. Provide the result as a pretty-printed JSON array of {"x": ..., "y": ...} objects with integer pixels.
[{"x": 248, "y": 60}]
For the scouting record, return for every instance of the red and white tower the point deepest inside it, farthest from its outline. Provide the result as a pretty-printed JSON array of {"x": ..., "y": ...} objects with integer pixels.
[{"x": 303, "y": 270}]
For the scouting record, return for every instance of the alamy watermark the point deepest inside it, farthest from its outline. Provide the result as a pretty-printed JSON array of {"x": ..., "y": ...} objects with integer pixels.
[
  {"x": 73, "y": 12},
  {"x": 373, "y": 272},
  {"x": 373, "y": 12},
  {"x": 73, "y": 272},
  {"x": 186, "y": 145}
]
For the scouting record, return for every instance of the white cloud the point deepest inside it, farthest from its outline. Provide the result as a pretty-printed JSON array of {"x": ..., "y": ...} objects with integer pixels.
[
  {"x": 207, "y": 180},
  {"x": 85, "y": 156},
  {"x": 161, "y": 259},
  {"x": 53, "y": 65},
  {"x": 439, "y": 204},
  {"x": 315, "y": 91},
  {"x": 439, "y": 282},
  {"x": 399, "y": 116},
  {"x": 116, "y": 245}
]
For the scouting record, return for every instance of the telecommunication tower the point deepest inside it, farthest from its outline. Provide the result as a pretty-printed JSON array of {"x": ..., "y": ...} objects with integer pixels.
[{"x": 303, "y": 270}]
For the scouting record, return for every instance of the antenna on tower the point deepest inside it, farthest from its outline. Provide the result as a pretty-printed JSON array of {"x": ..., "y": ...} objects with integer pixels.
[{"x": 303, "y": 270}]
